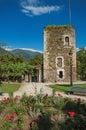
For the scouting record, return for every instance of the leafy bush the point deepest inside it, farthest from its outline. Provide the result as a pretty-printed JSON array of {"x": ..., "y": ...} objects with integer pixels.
[{"x": 41, "y": 112}]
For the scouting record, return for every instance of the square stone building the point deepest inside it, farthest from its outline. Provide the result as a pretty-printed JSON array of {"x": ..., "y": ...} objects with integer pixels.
[{"x": 59, "y": 41}]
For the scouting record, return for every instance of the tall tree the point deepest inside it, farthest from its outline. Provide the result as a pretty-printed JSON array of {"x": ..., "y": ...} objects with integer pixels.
[
  {"x": 36, "y": 61},
  {"x": 81, "y": 63}
]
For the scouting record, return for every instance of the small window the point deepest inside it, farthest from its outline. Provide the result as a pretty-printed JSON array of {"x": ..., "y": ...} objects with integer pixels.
[
  {"x": 59, "y": 63},
  {"x": 61, "y": 74},
  {"x": 67, "y": 40}
]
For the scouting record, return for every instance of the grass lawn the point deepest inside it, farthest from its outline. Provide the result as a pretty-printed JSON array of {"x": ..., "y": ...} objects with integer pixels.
[
  {"x": 64, "y": 88},
  {"x": 10, "y": 88}
]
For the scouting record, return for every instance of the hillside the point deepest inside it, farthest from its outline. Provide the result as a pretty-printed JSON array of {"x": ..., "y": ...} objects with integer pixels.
[
  {"x": 2, "y": 51},
  {"x": 27, "y": 54}
]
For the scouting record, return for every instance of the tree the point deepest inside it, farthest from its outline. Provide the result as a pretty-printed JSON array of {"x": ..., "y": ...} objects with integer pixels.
[
  {"x": 12, "y": 67},
  {"x": 36, "y": 61},
  {"x": 81, "y": 64}
]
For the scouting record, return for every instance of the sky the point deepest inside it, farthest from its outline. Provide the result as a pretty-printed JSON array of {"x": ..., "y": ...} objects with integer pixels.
[{"x": 22, "y": 22}]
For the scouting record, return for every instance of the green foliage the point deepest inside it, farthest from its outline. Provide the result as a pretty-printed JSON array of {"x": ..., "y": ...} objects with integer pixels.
[
  {"x": 34, "y": 126},
  {"x": 81, "y": 64},
  {"x": 13, "y": 67},
  {"x": 59, "y": 102},
  {"x": 37, "y": 104},
  {"x": 36, "y": 61},
  {"x": 11, "y": 114},
  {"x": 55, "y": 117}
]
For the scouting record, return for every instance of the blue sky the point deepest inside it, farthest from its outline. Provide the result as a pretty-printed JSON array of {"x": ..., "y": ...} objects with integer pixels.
[{"x": 22, "y": 22}]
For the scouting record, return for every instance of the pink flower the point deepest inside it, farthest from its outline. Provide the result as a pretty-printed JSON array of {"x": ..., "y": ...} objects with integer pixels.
[{"x": 71, "y": 114}]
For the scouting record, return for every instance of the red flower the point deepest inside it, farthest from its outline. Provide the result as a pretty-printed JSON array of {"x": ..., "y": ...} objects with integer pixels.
[
  {"x": 33, "y": 123},
  {"x": 5, "y": 100},
  {"x": 71, "y": 114},
  {"x": 13, "y": 115},
  {"x": 78, "y": 100},
  {"x": 10, "y": 116},
  {"x": 7, "y": 117},
  {"x": 16, "y": 97},
  {"x": 59, "y": 95},
  {"x": 46, "y": 94}
]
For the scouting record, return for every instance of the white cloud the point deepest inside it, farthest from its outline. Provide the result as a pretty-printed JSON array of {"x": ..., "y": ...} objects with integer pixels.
[
  {"x": 33, "y": 7},
  {"x": 32, "y": 2},
  {"x": 39, "y": 10},
  {"x": 28, "y": 49}
]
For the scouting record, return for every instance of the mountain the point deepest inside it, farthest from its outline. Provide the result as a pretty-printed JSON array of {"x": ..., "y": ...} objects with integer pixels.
[
  {"x": 3, "y": 51},
  {"x": 26, "y": 53}
]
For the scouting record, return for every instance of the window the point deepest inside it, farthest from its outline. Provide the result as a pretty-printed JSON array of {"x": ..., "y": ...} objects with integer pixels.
[
  {"x": 67, "y": 40},
  {"x": 59, "y": 61},
  {"x": 61, "y": 74}
]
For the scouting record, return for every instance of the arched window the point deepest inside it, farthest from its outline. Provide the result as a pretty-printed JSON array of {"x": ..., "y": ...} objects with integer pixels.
[{"x": 67, "y": 42}]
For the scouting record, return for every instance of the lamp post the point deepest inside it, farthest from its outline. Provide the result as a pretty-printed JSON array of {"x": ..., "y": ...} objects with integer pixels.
[{"x": 70, "y": 55}]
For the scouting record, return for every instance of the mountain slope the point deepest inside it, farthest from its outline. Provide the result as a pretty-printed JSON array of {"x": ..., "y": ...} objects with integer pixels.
[
  {"x": 3, "y": 51},
  {"x": 27, "y": 54}
]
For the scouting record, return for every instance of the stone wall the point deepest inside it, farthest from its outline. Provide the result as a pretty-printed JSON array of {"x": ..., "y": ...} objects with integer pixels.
[{"x": 58, "y": 41}]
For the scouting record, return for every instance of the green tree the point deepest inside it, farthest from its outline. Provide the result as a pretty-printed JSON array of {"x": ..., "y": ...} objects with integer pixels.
[
  {"x": 36, "y": 61},
  {"x": 12, "y": 66},
  {"x": 81, "y": 64}
]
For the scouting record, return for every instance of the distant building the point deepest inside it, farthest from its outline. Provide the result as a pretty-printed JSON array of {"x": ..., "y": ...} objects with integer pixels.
[{"x": 58, "y": 42}]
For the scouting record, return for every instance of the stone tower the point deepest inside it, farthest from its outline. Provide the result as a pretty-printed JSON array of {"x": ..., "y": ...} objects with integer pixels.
[{"x": 58, "y": 42}]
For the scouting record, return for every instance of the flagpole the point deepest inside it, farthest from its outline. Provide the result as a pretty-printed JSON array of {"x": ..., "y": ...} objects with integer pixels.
[{"x": 70, "y": 19}]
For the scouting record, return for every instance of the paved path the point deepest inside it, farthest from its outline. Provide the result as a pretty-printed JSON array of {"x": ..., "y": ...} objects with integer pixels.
[
  {"x": 33, "y": 88},
  {"x": 29, "y": 89}
]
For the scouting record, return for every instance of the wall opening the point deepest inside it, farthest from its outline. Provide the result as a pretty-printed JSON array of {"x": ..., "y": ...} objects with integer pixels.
[
  {"x": 59, "y": 61},
  {"x": 61, "y": 74},
  {"x": 67, "y": 41}
]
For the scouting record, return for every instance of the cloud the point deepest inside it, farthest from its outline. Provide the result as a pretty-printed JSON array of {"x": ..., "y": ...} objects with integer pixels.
[
  {"x": 30, "y": 2},
  {"x": 31, "y": 10},
  {"x": 29, "y": 49},
  {"x": 34, "y": 7}
]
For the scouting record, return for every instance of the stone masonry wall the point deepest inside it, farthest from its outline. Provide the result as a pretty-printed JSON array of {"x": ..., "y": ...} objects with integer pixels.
[{"x": 55, "y": 46}]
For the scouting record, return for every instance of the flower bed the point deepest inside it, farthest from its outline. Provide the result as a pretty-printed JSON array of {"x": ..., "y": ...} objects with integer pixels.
[{"x": 42, "y": 112}]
